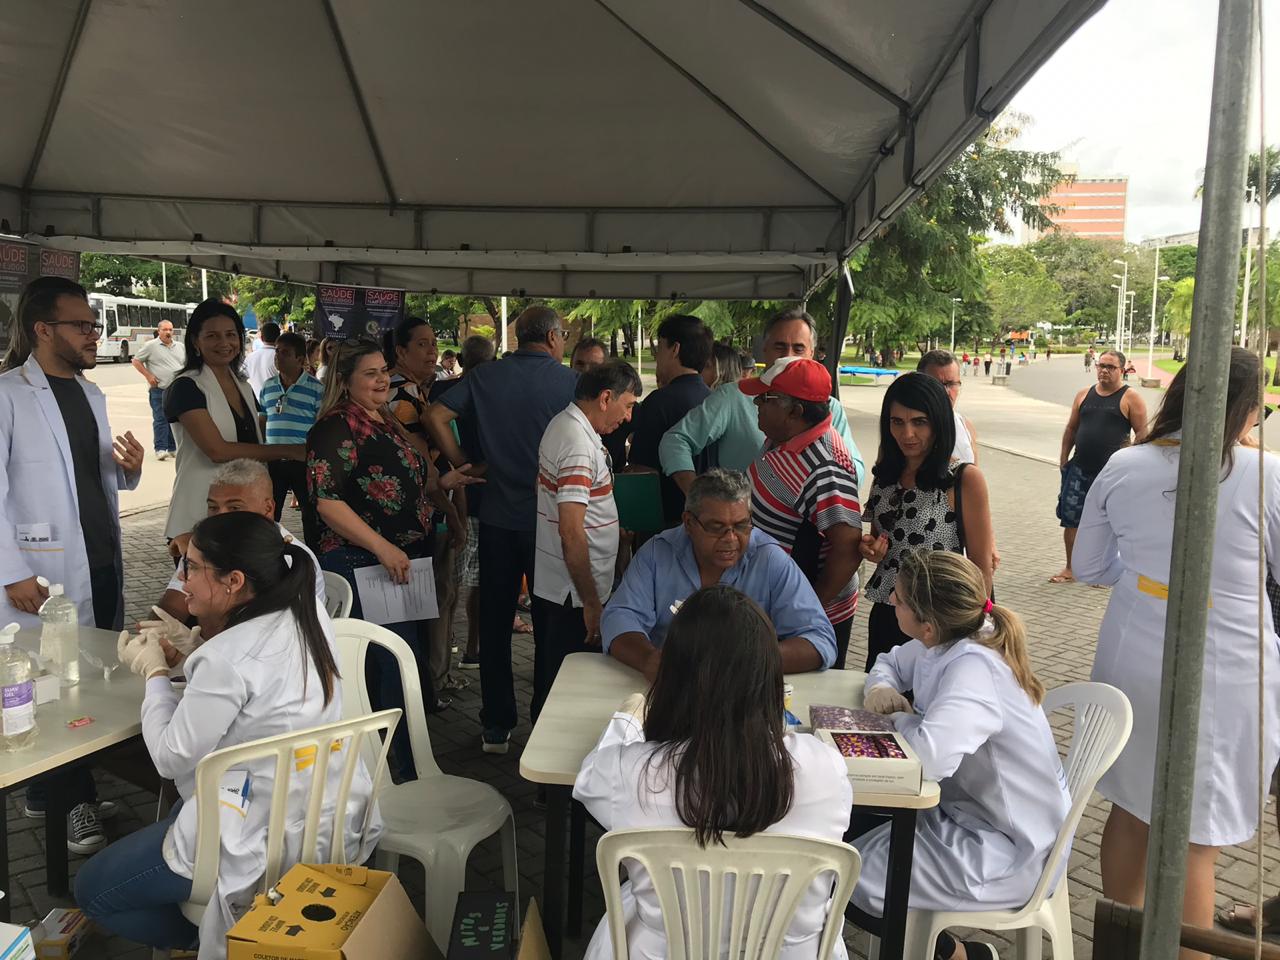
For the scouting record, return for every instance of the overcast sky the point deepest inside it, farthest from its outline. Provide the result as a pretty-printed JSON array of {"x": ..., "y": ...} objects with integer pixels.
[{"x": 1129, "y": 95}]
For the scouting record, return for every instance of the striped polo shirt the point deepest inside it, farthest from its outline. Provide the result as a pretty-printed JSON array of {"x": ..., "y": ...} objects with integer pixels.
[
  {"x": 799, "y": 490},
  {"x": 574, "y": 468},
  {"x": 291, "y": 413}
]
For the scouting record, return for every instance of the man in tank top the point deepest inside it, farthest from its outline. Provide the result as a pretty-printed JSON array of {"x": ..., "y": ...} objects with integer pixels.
[{"x": 1102, "y": 418}]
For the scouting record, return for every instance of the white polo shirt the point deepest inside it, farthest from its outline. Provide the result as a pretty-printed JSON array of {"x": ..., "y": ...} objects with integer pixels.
[{"x": 573, "y": 467}]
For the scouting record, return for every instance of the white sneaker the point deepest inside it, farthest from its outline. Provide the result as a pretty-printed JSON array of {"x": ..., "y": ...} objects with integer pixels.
[{"x": 84, "y": 830}]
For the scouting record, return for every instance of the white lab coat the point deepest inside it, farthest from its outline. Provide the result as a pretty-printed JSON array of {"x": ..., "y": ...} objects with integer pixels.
[
  {"x": 188, "y": 504},
  {"x": 38, "y": 486},
  {"x": 1125, "y": 540},
  {"x": 613, "y": 786},
  {"x": 1004, "y": 793},
  {"x": 251, "y": 681}
]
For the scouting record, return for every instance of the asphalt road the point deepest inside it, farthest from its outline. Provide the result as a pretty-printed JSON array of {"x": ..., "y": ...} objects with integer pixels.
[{"x": 128, "y": 409}]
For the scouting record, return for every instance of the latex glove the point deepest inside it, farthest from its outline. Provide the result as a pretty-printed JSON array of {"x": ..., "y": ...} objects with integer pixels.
[
  {"x": 182, "y": 638},
  {"x": 636, "y": 705},
  {"x": 885, "y": 699},
  {"x": 142, "y": 654}
]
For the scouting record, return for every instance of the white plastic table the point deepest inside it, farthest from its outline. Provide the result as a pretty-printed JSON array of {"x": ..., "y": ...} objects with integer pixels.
[
  {"x": 586, "y": 692},
  {"x": 114, "y": 702}
]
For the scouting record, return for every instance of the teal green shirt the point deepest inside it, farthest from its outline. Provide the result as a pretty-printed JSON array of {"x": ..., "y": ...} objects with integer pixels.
[{"x": 727, "y": 420}]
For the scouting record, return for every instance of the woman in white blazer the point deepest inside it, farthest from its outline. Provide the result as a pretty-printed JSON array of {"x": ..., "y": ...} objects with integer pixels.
[
  {"x": 710, "y": 751},
  {"x": 978, "y": 728},
  {"x": 213, "y": 411},
  {"x": 267, "y": 668},
  {"x": 1125, "y": 541}
]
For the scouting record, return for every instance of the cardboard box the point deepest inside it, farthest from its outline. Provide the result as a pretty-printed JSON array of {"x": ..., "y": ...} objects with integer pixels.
[
  {"x": 61, "y": 933},
  {"x": 331, "y": 912},
  {"x": 48, "y": 687},
  {"x": 878, "y": 761},
  {"x": 484, "y": 923},
  {"x": 16, "y": 942}
]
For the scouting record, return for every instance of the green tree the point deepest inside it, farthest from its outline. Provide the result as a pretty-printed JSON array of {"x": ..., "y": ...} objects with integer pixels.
[
  {"x": 1177, "y": 312},
  {"x": 1020, "y": 292}
]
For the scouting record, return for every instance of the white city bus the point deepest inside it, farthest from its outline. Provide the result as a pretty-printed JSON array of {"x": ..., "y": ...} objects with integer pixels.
[{"x": 128, "y": 323}]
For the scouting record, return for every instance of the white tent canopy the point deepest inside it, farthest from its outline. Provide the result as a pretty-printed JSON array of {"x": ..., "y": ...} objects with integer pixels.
[{"x": 578, "y": 148}]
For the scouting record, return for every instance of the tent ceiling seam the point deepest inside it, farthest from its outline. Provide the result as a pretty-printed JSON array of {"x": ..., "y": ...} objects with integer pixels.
[
  {"x": 719, "y": 102},
  {"x": 875, "y": 86},
  {"x": 55, "y": 98},
  {"x": 358, "y": 94}
]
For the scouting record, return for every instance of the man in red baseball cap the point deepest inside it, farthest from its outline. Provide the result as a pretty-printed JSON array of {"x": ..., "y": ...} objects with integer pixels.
[{"x": 804, "y": 486}]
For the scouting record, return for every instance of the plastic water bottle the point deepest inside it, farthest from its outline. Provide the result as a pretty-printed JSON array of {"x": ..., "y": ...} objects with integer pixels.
[
  {"x": 60, "y": 635},
  {"x": 17, "y": 695}
]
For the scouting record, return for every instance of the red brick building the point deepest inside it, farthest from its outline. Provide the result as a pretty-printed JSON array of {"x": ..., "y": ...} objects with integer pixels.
[{"x": 1090, "y": 207}]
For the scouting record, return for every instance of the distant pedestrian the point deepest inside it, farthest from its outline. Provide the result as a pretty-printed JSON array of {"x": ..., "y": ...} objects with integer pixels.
[
  {"x": 986, "y": 364},
  {"x": 1102, "y": 418},
  {"x": 964, "y": 364},
  {"x": 1048, "y": 354},
  {"x": 159, "y": 361},
  {"x": 290, "y": 403},
  {"x": 1088, "y": 360},
  {"x": 260, "y": 365},
  {"x": 977, "y": 362}
]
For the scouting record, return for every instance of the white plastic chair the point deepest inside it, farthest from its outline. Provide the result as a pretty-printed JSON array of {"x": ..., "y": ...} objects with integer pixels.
[
  {"x": 768, "y": 875},
  {"x": 364, "y": 733},
  {"x": 436, "y": 819},
  {"x": 1103, "y": 721},
  {"x": 338, "y": 597}
]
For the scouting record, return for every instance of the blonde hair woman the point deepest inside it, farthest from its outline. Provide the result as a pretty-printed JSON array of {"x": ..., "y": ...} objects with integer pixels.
[{"x": 978, "y": 727}]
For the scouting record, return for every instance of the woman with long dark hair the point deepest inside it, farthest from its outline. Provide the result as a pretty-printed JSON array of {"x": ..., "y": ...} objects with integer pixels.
[
  {"x": 919, "y": 499},
  {"x": 265, "y": 667},
  {"x": 709, "y": 750},
  {"x": 372, "y": 486},
  {"x": 213, "y": 411},
  {"x": 1125, "y": 542}
]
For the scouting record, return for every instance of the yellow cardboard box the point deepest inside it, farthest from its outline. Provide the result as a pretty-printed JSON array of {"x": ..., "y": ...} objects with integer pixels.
[
  {"x": 332, "y": 912},
  {"x": 61, "y": 933}
]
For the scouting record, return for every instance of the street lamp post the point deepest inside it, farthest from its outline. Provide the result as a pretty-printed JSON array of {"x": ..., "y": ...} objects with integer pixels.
[
  {"x": 1131, "y": 296},
  {"x": 1151, "y": 343},
  {"x": 954, "y": 301},
  {"x": 1124, "y": 286}
]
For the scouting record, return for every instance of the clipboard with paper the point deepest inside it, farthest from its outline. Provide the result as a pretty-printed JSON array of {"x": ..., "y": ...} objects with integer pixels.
[{"x": 383, "y": 602}]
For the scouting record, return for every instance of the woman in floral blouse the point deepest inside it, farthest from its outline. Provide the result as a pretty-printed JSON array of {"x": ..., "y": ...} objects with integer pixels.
[{"x": 372, "y": 488}]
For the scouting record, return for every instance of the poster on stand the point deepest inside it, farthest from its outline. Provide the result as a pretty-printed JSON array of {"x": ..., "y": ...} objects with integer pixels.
[
  {"x": 20, "y": 263},
  {"x": 344, "y": 312}
]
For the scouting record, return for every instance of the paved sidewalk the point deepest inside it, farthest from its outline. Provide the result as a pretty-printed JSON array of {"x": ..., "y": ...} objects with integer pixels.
[{"x": 1062, "y": 621}]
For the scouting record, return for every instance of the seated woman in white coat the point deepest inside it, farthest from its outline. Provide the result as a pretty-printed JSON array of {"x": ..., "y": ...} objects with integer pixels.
[
  {"x": 267, "y": 668},
  {"x": 709, "y": 751},
  {"x": 1125, "y": 541},
  {"x": 979, "y": 730}
]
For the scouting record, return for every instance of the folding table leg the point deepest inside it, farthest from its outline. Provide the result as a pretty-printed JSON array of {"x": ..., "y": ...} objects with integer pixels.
[
  {"x": 7, "y": 900},
  {"x": 55, "y": 845},
  {"x": 577, "y": 849},
  {"x": 553, "y": 865},
  {"x": 902, "y": 844}
]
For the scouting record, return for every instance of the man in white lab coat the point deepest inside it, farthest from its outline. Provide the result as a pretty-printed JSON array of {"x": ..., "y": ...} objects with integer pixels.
[{"x": 59, "y": 476}]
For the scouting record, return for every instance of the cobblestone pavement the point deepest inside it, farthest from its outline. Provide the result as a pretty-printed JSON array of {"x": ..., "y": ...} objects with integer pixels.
[{"x": 1062, "y": 622}]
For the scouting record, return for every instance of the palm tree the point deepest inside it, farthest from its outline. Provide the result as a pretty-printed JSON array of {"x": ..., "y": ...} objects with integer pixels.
[{"x": 1177, "y": 312}]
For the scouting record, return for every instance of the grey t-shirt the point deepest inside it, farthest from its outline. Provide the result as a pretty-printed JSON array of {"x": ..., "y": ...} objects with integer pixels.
[{"x": 163, "y": 362}]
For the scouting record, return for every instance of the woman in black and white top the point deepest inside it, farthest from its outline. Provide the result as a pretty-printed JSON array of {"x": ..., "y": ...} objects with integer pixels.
[
  {"x": 916, "y": 502},
  {"x": 214, "y": 413}
]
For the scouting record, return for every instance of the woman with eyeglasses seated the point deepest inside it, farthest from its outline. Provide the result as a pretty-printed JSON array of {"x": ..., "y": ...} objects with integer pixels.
[
  {"x": 213, "y": 411},
  {"x": 268, "y": 668},
  {"x": 708, "y": 749},
  {"x": 373, "y": 488}
]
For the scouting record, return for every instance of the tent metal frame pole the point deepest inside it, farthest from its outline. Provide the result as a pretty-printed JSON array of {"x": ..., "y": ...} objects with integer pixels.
[
  {"x": 1200, "y": 464},
  {"x": 839, "y": 325}
]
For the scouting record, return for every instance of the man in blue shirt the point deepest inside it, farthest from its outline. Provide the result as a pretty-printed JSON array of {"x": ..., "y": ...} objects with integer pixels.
[
  {"x": 715, "y": 544},
  {"x": 510, "y": 402}
]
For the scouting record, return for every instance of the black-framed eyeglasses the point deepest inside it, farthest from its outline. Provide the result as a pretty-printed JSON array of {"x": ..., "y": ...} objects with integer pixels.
[
  {"x": 718, "y": 530},
  {"x": 1107, "y": 366},
  {"x": 86, "y": 327},
  {"x": 185, "y": 566}
]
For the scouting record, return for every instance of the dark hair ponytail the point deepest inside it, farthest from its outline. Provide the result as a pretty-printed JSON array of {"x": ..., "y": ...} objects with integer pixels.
[
  {"x": 717, "y": 703},
  {"x": 282, "y": 576}
]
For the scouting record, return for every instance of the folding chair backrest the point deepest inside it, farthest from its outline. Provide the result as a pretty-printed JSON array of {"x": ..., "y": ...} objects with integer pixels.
[
  {"x": 353, "y": 639},
  {"x": 338, "y": 596},
  {"x": 309, "y": 751},
  {"x": 1103, "y": 722},
  {"x": 746, "y": 891}
]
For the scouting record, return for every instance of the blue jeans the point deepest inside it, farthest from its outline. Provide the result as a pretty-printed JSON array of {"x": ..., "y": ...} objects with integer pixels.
[
  {"x": 381, "y": 673},
  {"x": 130, "y": 891},
  {"x": 161, "y": 434}
]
